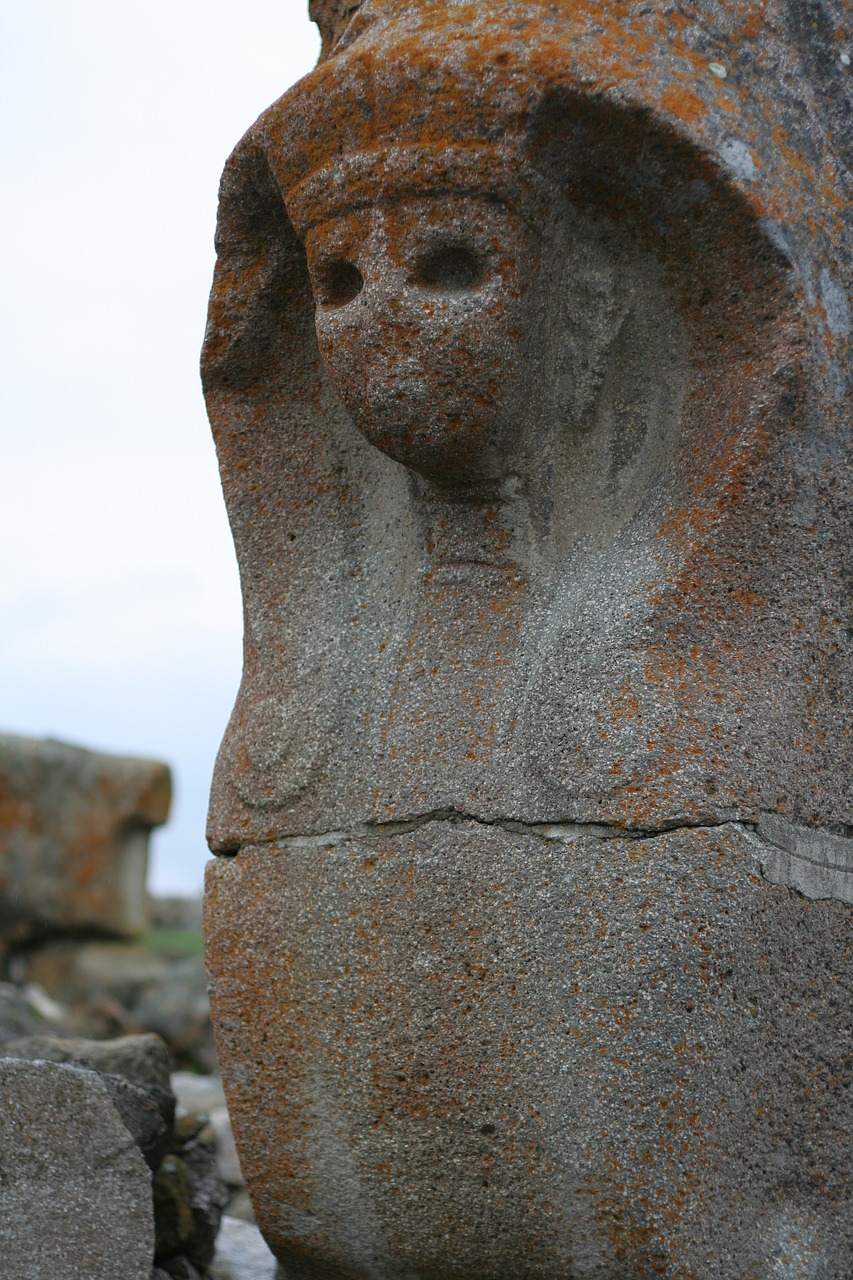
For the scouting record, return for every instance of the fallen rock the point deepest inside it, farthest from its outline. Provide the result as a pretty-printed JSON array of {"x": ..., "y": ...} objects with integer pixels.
[
  {"x": 141, "y": 1116},
  {"x": 202, "y": 1097},
  {"x": 76, "y": 1192},
  {"x": 208, "y": 1202},
  {"x": 141, "y": 1060},
  {"x": 74, "y": 827},
  {"x": 187, "y": 1194},
  {"x": 197, "y": 1093},
  {"x": 173, "y": 1215},
  {"x": 26, "y": 1010}
]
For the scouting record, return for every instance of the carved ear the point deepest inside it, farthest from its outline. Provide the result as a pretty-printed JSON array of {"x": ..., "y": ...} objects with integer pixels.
[{"x": 260, "y": 303}]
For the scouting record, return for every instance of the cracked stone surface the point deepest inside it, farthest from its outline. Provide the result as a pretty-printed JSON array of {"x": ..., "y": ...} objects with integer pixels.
[
  {"x": 622, "y": 1044},
  {"x": 528, "y": 363}
]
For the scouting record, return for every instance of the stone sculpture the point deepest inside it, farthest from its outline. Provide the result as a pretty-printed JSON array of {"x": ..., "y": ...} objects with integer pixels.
[{"x": 528, "y": 366}]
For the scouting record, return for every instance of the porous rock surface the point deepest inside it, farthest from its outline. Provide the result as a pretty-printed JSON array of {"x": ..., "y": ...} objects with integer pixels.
[
  {"x": 75, "y": 1192},
  {"x": 528, "y": 363},
  {"x": 185, "y": 1193}
]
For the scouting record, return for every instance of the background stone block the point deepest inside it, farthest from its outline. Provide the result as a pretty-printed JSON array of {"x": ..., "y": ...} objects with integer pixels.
[{"x": 74, "y": 827}]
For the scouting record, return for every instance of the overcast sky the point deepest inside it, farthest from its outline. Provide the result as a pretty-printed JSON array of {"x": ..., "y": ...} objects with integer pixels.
[{"x": 120, "y": 600}]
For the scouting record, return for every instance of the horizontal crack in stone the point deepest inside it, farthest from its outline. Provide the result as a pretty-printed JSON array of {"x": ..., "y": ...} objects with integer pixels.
[
  {"x": 550, "y": 831},
  {"x": 814, "y": 862}
]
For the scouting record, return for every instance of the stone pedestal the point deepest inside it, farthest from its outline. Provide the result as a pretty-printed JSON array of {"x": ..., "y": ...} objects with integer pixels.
[{"x": 482, "y": 1052}]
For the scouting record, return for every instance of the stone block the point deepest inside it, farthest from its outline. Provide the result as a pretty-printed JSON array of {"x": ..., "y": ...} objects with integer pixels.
[
  {"x": 495, "y": 1053},
  {"x": 141, "y": 1061},
  {"x": 74, "y": 827},
  {"x": 74, "y": 1190}
]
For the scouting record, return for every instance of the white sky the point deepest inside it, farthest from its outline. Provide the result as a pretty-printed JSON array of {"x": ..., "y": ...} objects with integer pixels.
[{"x": 119, "y": 598}]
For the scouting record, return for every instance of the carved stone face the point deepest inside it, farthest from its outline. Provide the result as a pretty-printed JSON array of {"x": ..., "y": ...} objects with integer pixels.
[{"x": 418, "y": 317}]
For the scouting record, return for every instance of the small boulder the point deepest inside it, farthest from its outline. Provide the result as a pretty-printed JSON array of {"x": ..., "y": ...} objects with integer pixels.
[
  {"x": 76, "y": 1192},
  {"x": 27, "y": 1010},
  {"x": 179, "y": 1011},
  {"x": 142, "y": 1060}
]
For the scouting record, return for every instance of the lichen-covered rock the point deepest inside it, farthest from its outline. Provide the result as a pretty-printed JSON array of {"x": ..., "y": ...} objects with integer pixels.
[
  {"x": 75, "y": 1191},
  {"x": 74, "y": 828},
  {"x": 529, "y": 367}
]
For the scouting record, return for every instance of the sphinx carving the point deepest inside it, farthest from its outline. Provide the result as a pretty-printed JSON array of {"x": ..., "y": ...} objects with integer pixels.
[{"x": 528, "y": 369}]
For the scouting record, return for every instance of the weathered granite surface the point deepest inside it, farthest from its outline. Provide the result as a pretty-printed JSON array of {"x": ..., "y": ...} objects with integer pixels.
[
  {"x": 75, "y": 1192},
  {"x": 74, "y": 827},
  {"x": 184, "y": 1195},
  {"x": 529, "y": 369}
]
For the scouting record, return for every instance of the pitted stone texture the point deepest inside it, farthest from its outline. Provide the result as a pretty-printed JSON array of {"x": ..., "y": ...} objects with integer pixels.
[
  {"x": 74, "y": 828},
  {"x": 491, "y": 1054},
  {"x": 537, "y": 450},
  {"x": 528, "y": 365},
  {"x": 75, "y": 1192}
]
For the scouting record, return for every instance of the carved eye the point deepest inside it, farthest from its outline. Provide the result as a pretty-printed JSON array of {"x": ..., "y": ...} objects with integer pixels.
[
  {"x": 449, "y": 269},
  {"x": 337, "y": 282}
]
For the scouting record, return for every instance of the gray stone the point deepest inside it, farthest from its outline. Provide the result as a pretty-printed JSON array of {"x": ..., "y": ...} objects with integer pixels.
[
  {"x": 173, "y": 1215},
  {"x": 81, "y": 972},
  {"x": 142, "y": 1060},
  {"x": 226, "y": 1152},
  {"x": 141, "y": 1115},
  {"x": 209, "y": 1198},
  {"x": 538, "y": 1011},
  {"x": 26, "y": 1010},
  {"x": 241, "y": 1253},
  {"x": 179, "y": 1011},
  {"x": 177, "y": 1268},
  {"x": 197, "y": 1093},
  {"x": 75, "y": 1193},
  {"x": 817, "y": 863}
]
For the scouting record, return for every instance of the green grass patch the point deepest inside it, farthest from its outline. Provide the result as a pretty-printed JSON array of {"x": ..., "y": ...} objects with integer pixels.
[{"x": 175, "y": 943}]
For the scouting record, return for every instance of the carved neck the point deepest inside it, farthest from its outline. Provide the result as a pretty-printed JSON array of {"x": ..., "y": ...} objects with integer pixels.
[{"x": 470, "y": 536}]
